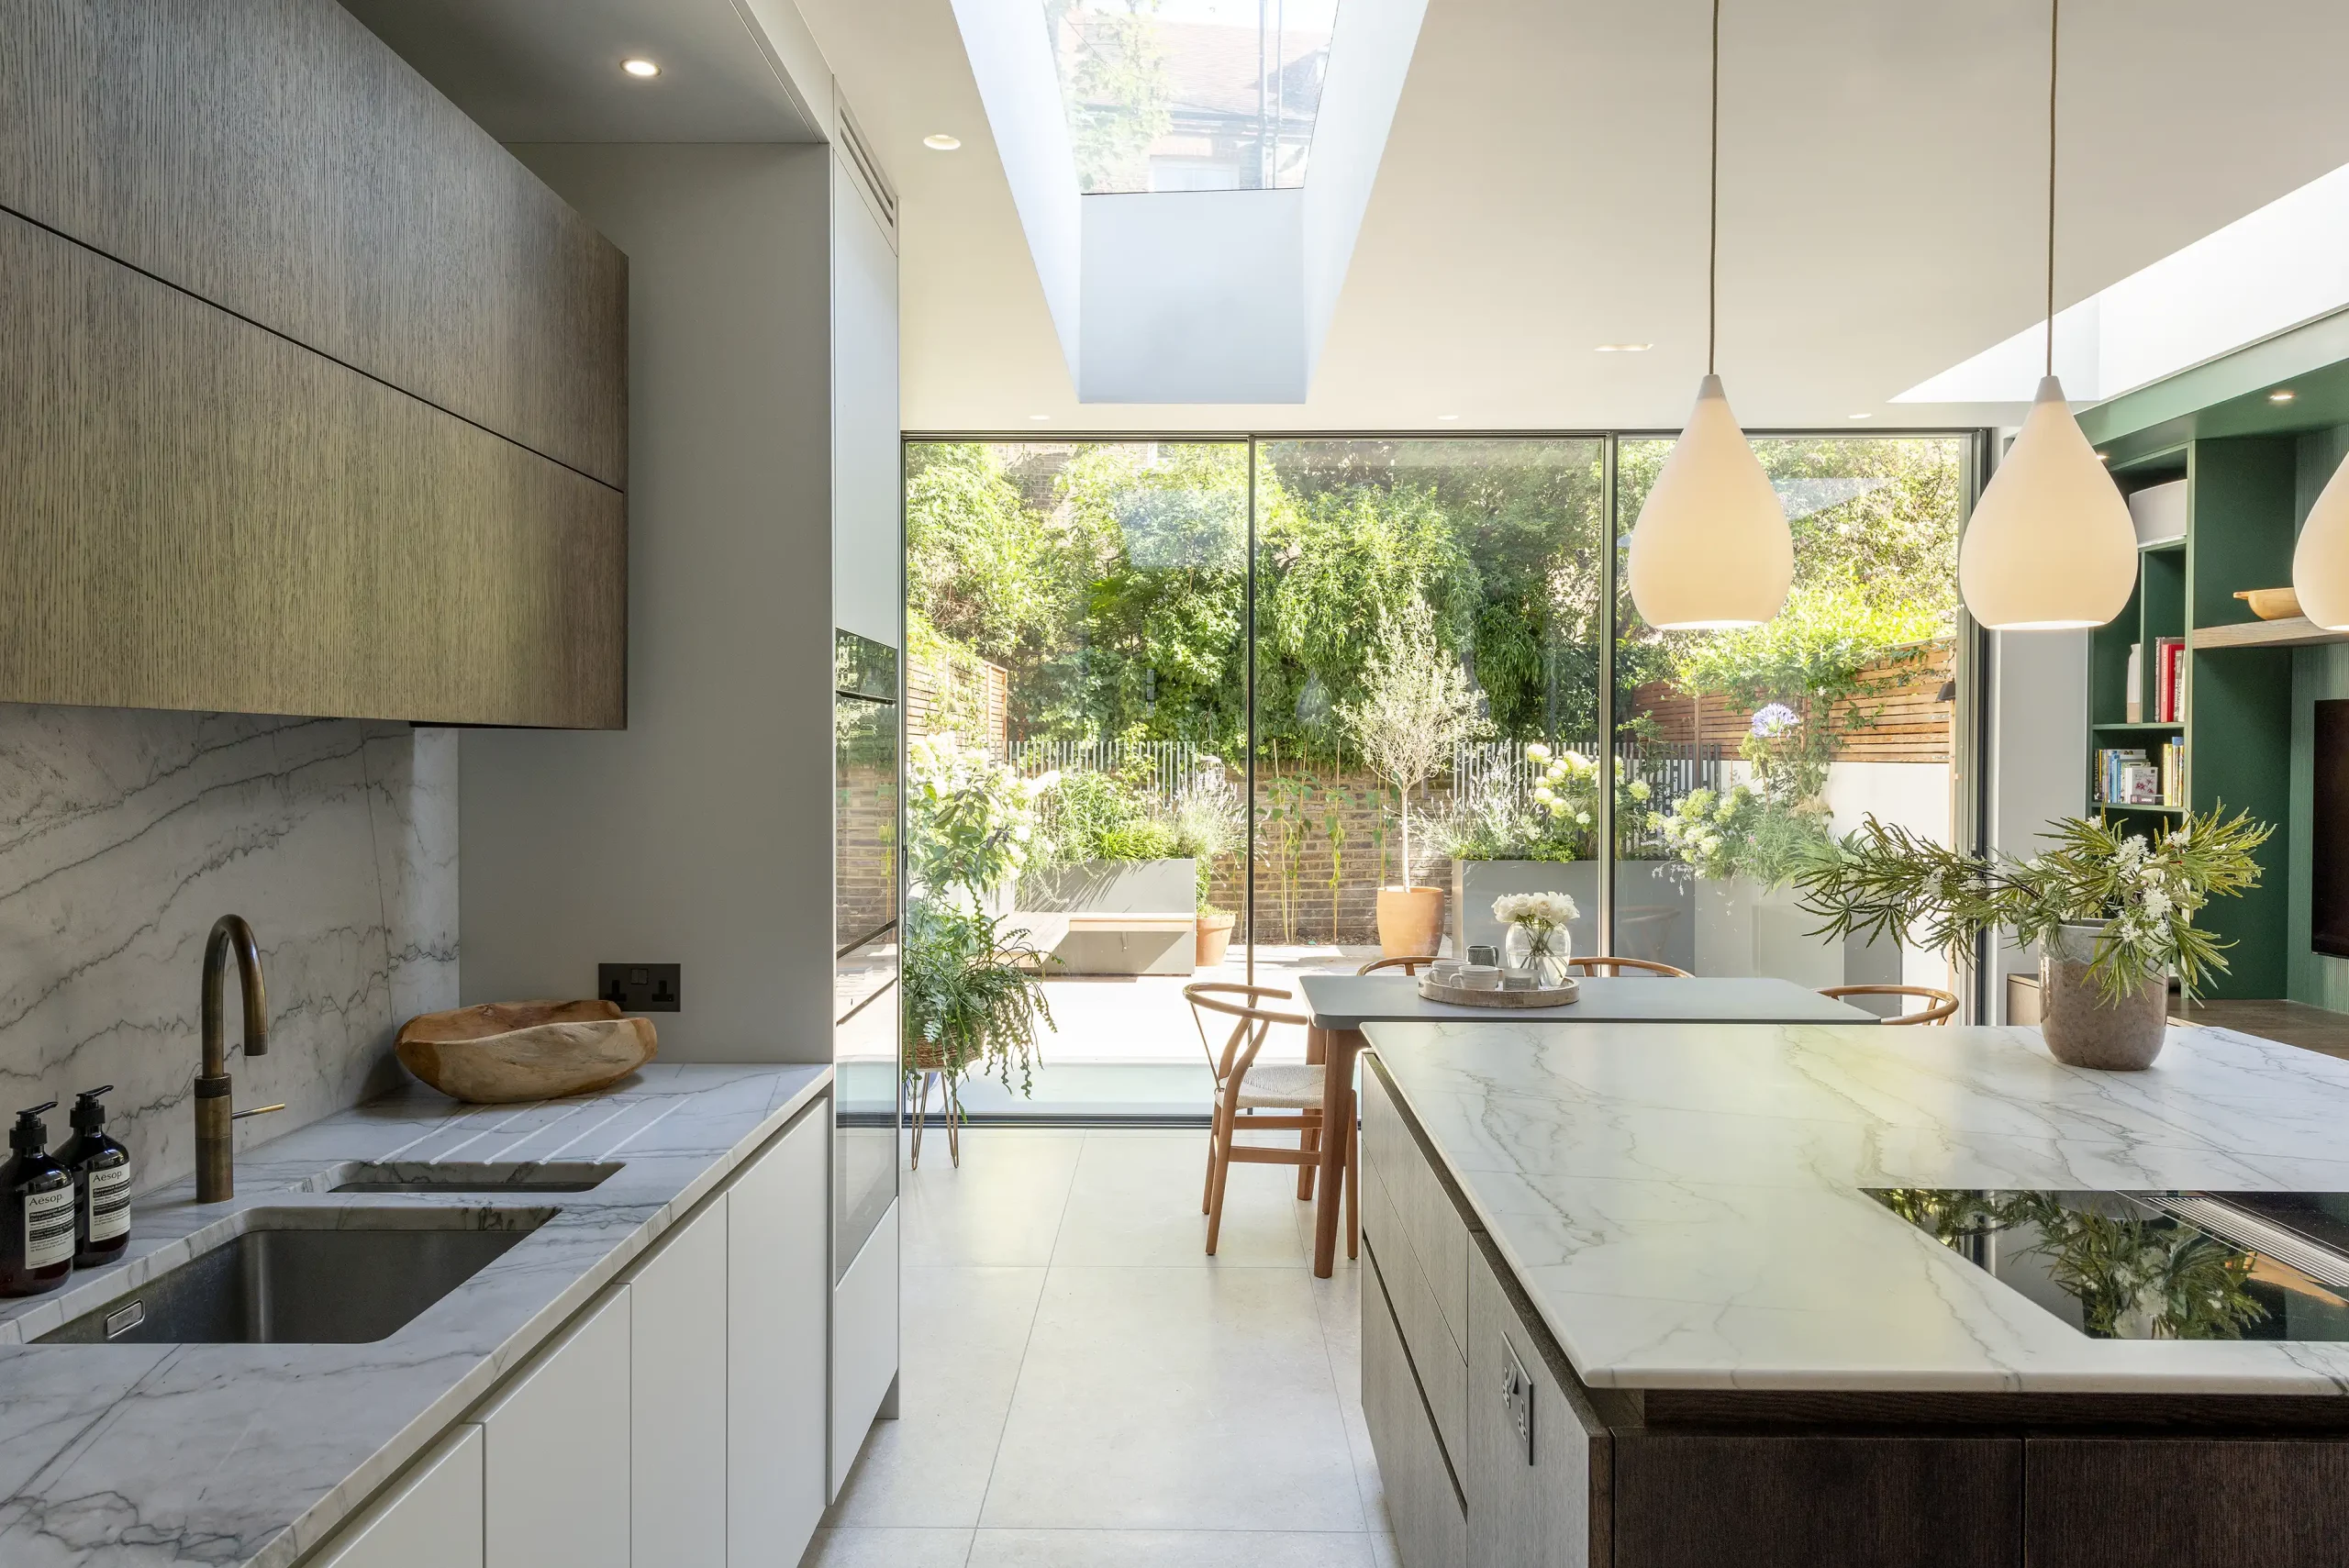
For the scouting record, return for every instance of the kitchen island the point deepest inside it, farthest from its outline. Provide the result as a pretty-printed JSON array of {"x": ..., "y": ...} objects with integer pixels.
[
  {"x": 1663, "y": 1295},
  {"x": 497, "y": 1425}
]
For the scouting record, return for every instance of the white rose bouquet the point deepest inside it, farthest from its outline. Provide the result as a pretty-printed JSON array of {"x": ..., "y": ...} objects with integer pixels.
[{"x": 1537, "y": 941}]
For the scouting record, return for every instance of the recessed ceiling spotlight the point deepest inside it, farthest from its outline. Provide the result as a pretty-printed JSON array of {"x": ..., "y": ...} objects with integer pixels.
[
  {"x": 1447, "y": 417},
  {"x": 1859, "y": 415},
  {"x": 1625, "y": 348},
  {"x": 939, "y": 141},
  {"x": 1039, "y": 416},
  {"x": 2281, "y": 395},
  {"x": 636, "y": 65}
]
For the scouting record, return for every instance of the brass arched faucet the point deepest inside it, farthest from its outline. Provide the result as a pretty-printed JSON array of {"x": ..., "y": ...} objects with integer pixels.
[{"x": 216, "y": 1157}]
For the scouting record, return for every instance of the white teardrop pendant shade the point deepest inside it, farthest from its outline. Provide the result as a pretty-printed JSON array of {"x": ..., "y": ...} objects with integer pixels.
[
  {"x": 1711, "y": 547},
  {"x": 2050, "y": 547},
  {"x": 2321, "y": 559}
]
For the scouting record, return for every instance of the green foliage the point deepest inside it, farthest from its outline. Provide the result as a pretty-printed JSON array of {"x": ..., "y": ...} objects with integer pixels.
[
  {"x": 972, "y": 1000},
  {"x": 1816, "y": 649},
  {"x": 1415, "y": 708},
  {"x": 979, "y": 569},
  {"x": 1114, "y": 89},
  {"x": 970, "y": 821},
  {"x": 2143, "y": 896},
  {"x": 1555, "y": 818}
]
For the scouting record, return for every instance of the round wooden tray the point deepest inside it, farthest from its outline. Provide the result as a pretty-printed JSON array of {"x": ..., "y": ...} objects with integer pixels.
[{"x": 1510, "y": 996}]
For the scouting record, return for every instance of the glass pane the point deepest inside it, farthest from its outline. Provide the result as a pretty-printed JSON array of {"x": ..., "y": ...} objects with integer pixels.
[
  {"x": 1428, "y": 647},
  {"x": 1075, "y": 693},
  {"x": 1754, "y": 745},
  {"x": 1190, "y": 94}
]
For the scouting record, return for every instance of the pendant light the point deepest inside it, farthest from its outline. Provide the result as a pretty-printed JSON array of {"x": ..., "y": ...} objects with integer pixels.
[
  {"x": 2050, "y": 547},
  {"x": 1711, "y": 547},
  {"x": 2321, "y": 559}
]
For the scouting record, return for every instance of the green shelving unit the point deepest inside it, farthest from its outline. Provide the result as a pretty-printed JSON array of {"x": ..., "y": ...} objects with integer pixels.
[{"x": 2236, "y": 722}]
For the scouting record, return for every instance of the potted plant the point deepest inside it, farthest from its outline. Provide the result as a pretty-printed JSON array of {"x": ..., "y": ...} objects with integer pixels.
[
  {"x": 1208, "y": 824},
  {"x": 1107, "y": 852},
  {"x": 1535, "y": 837},
  {"x": 2112, "y": 912},
  {"x": 972, "y": 1001},
  {"x": 1416, "y": 707}
]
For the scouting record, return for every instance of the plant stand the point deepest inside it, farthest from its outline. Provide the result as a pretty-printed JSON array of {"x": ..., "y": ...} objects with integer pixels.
[{"x": 922, "y": 1079}]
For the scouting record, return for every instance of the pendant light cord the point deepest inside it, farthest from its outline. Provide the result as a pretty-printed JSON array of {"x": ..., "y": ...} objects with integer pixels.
[
  {"x": 2054, "y": 23},
  {"x": 1713, "y": 208}
]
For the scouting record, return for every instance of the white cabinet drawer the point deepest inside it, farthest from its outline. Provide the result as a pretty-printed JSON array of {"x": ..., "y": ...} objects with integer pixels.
[
  {"x": 555, "y": 1452},
  {"x": 677, "y": 1381},
  {"x": 432, "y": 1516}
]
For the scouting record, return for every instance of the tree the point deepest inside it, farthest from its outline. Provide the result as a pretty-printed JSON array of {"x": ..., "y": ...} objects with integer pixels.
[{"x": 1416, "y": 707}]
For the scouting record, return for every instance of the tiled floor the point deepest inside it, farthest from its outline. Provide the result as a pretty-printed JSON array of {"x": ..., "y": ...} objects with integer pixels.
[{"x": 1083, "y": 1385}]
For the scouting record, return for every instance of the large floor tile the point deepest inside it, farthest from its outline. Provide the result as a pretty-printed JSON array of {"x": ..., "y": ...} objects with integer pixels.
[
  {"x": 1169, "y": 1548},
  {"x": 963, "y": 1334},
  {"x": 887, "y": 1548},
  {"x": 1176, "y": 1397},
  {"x": 1001, "y": 1208},
  {"x": 1136, "y": 1202}
]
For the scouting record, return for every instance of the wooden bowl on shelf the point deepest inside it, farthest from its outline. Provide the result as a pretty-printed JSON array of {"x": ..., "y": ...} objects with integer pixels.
[
  {"x": 2271, "y": 604},
  {"x": 499, "y": 1052}
]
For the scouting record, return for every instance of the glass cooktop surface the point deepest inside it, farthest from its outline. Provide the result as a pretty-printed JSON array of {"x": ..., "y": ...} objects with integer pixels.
[{"x": 2154, "y": 1265}]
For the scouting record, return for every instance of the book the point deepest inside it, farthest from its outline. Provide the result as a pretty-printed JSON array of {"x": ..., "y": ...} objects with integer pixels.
[
  {"x": 2136, "y": 683},
  {"x": 2169, "y": 678},
  {"x": 2126, "y": 776}
]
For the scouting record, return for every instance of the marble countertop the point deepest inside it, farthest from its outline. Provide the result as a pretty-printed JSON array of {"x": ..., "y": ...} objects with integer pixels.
[
  {"x": 1683, "y": 1202},
  {"x": 252, "y": 1454}
]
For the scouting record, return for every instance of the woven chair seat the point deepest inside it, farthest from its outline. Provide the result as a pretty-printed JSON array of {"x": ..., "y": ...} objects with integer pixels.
[{"x": 1279, "y": 1086}]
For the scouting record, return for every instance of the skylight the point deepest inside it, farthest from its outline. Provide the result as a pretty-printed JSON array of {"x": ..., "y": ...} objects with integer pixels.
[
  {"x": 2266, "y": 273},
  {"x": 1190, "y": 94}
]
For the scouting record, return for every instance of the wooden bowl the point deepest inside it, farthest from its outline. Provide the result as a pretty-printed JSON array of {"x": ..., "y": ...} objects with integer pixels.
[
  {"x": 2271, "y": 604},
  {"x": 499, "y": 1052}
]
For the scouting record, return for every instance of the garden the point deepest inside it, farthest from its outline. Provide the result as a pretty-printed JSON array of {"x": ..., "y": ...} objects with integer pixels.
[{"x": 1425, "y": 634}]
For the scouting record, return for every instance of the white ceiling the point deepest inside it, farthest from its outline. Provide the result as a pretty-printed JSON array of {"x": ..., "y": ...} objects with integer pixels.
[{"x": 1544, "y": 192}]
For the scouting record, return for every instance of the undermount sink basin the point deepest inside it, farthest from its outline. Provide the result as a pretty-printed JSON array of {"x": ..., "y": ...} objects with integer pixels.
[
  {"x": 413, "y": 1176},
  {"x": 309, "y": 1276}
]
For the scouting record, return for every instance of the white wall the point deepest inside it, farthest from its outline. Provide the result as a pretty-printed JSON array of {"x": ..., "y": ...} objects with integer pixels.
[
  {"x": 702, "y": 834},
  {"x": 2039, "y": 760}
]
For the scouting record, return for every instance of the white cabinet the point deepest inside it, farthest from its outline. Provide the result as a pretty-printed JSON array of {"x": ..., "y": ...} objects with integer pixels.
[
  {"x": 555, "y": 1452},
  {"x": 432, "y": 1516},
  {"x": 778, "y": 1282},
  {"x": 677, "y": 1415}
]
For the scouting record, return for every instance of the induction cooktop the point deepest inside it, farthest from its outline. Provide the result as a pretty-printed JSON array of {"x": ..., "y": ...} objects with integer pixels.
[{"x": 2154, "y": 1265}]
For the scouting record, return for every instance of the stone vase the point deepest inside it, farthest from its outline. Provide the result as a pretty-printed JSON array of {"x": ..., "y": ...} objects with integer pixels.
[{"x": 2081, "y": 1028}]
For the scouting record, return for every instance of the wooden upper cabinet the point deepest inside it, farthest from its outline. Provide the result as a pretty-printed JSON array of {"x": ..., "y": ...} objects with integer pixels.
[
  {"x": 276, "y": 158},
  {"x": 317, "y": 398}
]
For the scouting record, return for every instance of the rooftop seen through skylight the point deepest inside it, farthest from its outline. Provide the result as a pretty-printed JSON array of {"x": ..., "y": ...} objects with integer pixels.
[{"x": 1190, "y": 94}]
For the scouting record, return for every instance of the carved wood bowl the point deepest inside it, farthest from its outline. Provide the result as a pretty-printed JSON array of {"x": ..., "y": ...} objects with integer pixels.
[
  {"x": 499, "y": 1052},
  {"x": 2271, "y": 604}
]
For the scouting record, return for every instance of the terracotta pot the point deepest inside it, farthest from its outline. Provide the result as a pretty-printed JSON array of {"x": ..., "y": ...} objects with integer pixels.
[
  {"x": 2081, "y": 1028},
  {"x": 1214, "y": 936},
  {"x": 1410, "y": 921}
]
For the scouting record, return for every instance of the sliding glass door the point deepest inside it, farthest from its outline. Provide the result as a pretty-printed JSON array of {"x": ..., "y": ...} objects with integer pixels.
[
  {"x": 1755, "y": 746},
  {"x": 1236, "y": 711}
]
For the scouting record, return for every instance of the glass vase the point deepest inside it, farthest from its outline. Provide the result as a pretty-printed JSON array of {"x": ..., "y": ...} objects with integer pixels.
[{"x": 1537, "y": 954}]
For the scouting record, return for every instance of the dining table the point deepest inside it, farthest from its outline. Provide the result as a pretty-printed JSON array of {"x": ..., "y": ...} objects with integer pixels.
[{"x": 1337, "y": 1005}]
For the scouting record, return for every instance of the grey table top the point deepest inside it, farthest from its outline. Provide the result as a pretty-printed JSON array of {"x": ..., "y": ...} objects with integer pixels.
[{"x": 1350, "y": 1001}]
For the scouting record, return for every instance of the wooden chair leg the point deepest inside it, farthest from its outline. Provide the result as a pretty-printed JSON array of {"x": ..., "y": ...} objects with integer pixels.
[
  {"x": 1222, "y": 1173},
  {"x": 1310, "y": 1140},
  {"x": 1215, "y": 1130}
]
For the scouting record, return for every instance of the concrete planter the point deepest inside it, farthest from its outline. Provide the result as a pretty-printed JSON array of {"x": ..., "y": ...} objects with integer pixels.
[
  {"x": 2083, "y": 1029},
  {"x": 1161, "y": 897}
]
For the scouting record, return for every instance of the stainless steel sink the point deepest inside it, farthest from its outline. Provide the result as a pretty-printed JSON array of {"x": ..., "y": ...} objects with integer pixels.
[
  {"x": 309, "y": 1276},
  {"x": 413, "y": 1176}
]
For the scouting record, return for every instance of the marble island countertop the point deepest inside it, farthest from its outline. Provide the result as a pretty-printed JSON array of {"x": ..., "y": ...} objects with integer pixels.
[
  {"x": 1684, "y": 1203},
  {"x": 253, "y": 1454}
]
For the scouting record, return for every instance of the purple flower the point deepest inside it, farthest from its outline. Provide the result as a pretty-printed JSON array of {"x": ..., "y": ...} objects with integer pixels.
[{"x": 1774, "y": 719}]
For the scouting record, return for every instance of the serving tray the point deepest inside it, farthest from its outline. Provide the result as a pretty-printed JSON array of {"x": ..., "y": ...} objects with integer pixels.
[{"x": 1512, "y": 994}]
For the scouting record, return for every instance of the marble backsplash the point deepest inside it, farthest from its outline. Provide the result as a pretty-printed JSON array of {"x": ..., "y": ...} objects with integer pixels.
[{"x": 125, "y": 834}]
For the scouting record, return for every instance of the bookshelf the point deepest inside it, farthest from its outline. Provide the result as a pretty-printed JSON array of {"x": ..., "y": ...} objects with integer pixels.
[{"x": 2231, "y": 734}]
